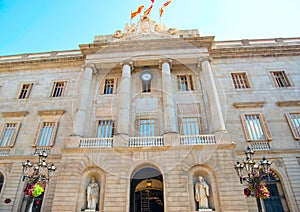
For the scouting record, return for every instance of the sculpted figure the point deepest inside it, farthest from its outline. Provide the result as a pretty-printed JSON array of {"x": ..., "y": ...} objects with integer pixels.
[
  {"x": 130, "y": 28},
  {"x": 118, "y": 34},
  {"x": 92, "y": 194},
  {"x": 202, "y": 193}
]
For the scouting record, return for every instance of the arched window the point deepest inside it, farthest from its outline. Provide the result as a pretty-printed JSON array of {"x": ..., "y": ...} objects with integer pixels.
[
  {"x": 277, "y": 201},
  {"x": 1, "y": 181}
]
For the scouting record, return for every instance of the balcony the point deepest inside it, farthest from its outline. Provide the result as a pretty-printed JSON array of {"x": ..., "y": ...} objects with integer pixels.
[
  {"x": 150, "y": 141},
  {"x": 146, "y": 141},
  {"x": 96, "y": 142},
  {"x": 197, "y": 139}
]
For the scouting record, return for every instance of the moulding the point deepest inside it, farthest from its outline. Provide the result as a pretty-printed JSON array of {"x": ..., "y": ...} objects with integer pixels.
[
  {"x": 288, "y": 103},
  {"x": 14, "y": 114},
  {"x": 248, "y": 104},
  {"x": 51, "y": 112}
]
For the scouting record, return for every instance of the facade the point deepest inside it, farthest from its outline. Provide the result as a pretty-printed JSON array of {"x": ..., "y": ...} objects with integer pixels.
[{"x": 147, "y": 111}]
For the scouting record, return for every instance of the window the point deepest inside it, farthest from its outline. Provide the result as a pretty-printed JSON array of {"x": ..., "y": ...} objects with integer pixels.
[
  {"x": 1, "y": 181},
  {"x": 294, "y": 122},
  {"x": 109, "y": 86},
  {"x": 146, "y": 86},
  {"x": 58, "y": 89},
  {"x": 105, "y": 129},
  {"x": 24, "y": 91},
  {"x": 240, "y": 80},
  {"x": 146, "y": 127},
  {"x": 9, "y": 134},
  {"x": 276, "y": 202},
  {"x": 185, "y": 83},
  {"x": 46, "y": 133},
  {"x": 255, "y": 127},
  {"x": 280, "y": 79},
  {"x": 190, "y": 126}
]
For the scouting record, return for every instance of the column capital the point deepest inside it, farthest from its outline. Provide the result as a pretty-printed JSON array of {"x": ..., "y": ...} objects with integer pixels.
[
  {"x": 91, "y": 66},
  {"x": 163, "y": 60},
  {"x": 127, "y": 62},
  {"x": 203, "y": 59}
]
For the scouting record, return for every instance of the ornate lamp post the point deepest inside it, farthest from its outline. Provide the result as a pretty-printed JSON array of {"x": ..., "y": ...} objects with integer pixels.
[
  {"x": 36, "y": 177},
  {"x": 255, "y": 174}
]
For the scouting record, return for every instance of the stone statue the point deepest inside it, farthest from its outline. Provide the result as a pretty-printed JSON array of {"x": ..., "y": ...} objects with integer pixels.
[
  {"x": 92, "y": 194},
  {"x": 202, "y": 193}
]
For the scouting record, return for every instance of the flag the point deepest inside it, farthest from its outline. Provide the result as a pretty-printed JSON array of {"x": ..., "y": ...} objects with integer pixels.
[
  {"x": 161, "y": 10},
  {"x": 138, "y": 11},
  {"x": 147, "y": 12}
]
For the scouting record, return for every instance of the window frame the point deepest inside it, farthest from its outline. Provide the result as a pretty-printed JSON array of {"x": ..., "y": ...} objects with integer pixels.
[
  {"x": 28, "y": 91},
  {"x": 13, "y": 137},
  {"x": 181, "y": 124},
  {"x": 39, "y": 132},
  {"x": 263, "y": 125},
  {"x": 295, "y": 132},
  {"x": 103, "y": 85},
  {"x": 285, "y": 81},
  {"x": 155, "y": 126},
  {"x": 113, "y": 127},
  {"x": 54, "y": 87},
  {"x": 189, "y": 82},
  {"x": 242, "y": 76}
]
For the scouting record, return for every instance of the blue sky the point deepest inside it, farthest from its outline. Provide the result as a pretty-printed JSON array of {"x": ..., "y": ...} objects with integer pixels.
[{"x": 29, "y": 26}]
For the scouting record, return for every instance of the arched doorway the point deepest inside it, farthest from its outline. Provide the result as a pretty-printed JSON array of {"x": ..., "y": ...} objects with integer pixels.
[{"x": 146, "y": 191}]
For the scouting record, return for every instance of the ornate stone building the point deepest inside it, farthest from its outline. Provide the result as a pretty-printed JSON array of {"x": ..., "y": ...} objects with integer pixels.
[{"x": 147, "y": 111}]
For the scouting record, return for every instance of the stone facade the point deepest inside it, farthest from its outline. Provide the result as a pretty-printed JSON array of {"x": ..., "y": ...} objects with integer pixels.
[{"x": 192, "y": 77}]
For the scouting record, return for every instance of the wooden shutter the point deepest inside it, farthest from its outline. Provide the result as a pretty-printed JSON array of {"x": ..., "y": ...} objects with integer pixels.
[
  {"x": 245, "y": 128},
  {"x": 13, "y": 139},
  {"x": 53, "y": 134},
  {"x": 292, "y": 127},
  {"x": 37, "y": 134},
  {"x": 265, "y": 127}
]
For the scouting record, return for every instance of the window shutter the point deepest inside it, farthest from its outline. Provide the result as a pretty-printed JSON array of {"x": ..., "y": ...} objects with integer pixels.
[
  {"x": 294, "y": 132},
  {"x": 265, "y": 127},
  {"x": 13, "y": 139},
  {"x": 246, "y": 131},
  {"x": 54, "y": 134},
  {"x": 37, "y": 134},
  {"x": 115, "y": 85}
]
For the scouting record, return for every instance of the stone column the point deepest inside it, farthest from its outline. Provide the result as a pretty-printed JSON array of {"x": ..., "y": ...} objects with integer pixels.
[
  {"x": 209, "y": 82},
  {"x": 124, "y": 91},
  {"x": 80, "y": 109},
  {"x": 169, "y": 105}
]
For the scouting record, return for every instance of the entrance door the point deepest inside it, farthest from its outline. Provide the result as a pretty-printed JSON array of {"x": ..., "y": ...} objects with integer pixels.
[{"x": 146, "y": 193}]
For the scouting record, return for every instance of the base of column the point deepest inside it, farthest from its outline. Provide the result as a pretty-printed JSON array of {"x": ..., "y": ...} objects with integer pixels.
[
  {"x": 171, "y": 139},
  {"x": 121, "y": 140}
]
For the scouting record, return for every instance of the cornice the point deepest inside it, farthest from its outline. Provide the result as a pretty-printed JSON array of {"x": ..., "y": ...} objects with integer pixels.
[
  {"x": 14, "y": 114},
  {"x": 51, "y": 112},
  {"x": 248, "y": 104},
  {"x": 288, "y": 103}
]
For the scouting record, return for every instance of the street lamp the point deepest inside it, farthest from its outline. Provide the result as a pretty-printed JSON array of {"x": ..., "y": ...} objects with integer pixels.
[
  {"x": 40, "y": 172},
  {"x": 255, "y": 174}
]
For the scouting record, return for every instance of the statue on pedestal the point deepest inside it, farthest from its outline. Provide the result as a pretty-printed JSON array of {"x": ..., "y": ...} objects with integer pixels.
[
  {"x": 92, "y": 194},
  {"x": 202, "y": 193}
]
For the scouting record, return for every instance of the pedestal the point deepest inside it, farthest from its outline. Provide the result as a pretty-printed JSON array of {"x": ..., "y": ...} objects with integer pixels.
[{"x": 204, "y": 210}]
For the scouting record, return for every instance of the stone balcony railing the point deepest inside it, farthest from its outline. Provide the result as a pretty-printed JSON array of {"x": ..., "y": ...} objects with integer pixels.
[
  {"x": 148, "y": 141},
  {"x": 260, "y": 145},
  {"x": 197, "y": 139}
]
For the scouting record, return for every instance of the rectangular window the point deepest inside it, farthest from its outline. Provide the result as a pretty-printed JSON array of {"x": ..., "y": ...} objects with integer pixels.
[
  {"x": 46, "y": 133},
  {"x": 105, "y": 129},
  {"x": 146, "y": 86},
  {"x": 24, "y": 91},
  {"x": 185, "y": 83},
  {"x": 146, "y": 127},
  {"x": 9, "y": 134},
  {"x": 240, "y": 80},
  {"x": 190, "y": 126},
  {"x": 109, "y": 86},
  {"x": 58, "y": 89},
  {"x": 255, "y": 127},
  {"x": 294, "y": 122},
  {"x": 280, "y": 79}
]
